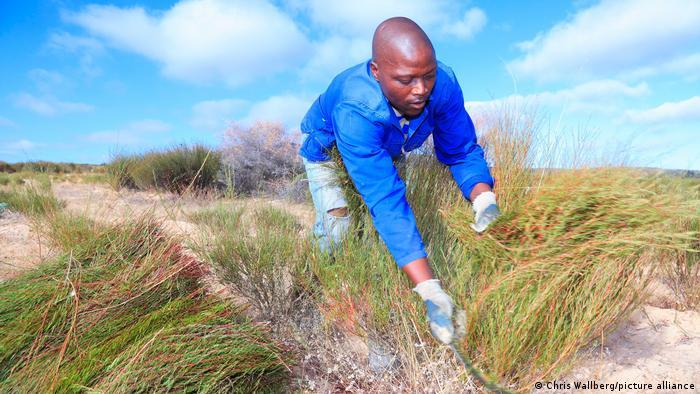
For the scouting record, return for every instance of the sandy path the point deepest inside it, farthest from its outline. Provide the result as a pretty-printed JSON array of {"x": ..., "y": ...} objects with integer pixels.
[
  {"x": 102, "y": 203},
  {"x": 21, "y": 246},
  {"x": 657, "y": 343}
]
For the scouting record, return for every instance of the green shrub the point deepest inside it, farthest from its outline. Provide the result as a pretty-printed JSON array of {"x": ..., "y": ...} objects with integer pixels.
[
  {"x": 118, "y": 172},
  {"x": 564, "y": 269},
  {"x": 123, "y": 310},
  {"x": 31, "y": 200},
  {"x": 683, "y": 271},
  {"x": 178, "y": 169},
  {"x": 258, "y": 256}
]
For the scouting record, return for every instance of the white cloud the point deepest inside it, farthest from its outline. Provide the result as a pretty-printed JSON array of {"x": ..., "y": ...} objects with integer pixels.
[
  {"x": 670, "y": 112},
  {"x": 216, "y": 114},
  {"x": 593, "y": 96},
  {"x": 45, "y": 79},
  {"x": 287, "y": 109},
  {"x": 687, "y": 66},
  {"x": 21, "y": 145},
  {"x": 346, "y": 28},
  {"x": 610, "y": 38},
  {"x": 73, "y": 43},
  {"x": 203, "y": 40},
  {"x": 48, "y": 106},
  {"x": 4, "y": 122},
  {"x": 130, "y": 134},
  {"x": 87, "y": 48},
  {"x": 474, "y": 20},
  {"x": 334, "y": 54},
  {"x": 352, "y": 18},
  {"x": 237, "y": 41}
]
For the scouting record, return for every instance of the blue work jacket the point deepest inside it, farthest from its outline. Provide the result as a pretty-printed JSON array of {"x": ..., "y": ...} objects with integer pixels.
[{"x": 354, "y": 115}]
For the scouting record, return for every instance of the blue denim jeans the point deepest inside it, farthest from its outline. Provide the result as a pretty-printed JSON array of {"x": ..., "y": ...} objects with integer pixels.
[{"x": 327, "y": 195}]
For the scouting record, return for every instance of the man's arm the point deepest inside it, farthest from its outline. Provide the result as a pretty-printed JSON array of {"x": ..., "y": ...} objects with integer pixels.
[
  {"x": 478, "y": 189},
  {"x": 418, "y": 270},
  {"x": 359, "y": 141}
]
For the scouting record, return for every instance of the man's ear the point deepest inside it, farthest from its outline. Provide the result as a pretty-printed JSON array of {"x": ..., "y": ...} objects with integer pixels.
[{"x": 374, "y": 69}]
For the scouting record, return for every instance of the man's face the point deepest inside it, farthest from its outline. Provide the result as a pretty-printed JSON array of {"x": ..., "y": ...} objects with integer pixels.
[{"x": 406, "y": 81}]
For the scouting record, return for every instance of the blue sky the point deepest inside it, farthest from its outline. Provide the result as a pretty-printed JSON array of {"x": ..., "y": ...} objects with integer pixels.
[{"x": 82, "y": 80}]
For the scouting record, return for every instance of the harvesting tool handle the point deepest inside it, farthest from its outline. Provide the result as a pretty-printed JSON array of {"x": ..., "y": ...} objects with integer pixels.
[{"x": 476, "y": 373}]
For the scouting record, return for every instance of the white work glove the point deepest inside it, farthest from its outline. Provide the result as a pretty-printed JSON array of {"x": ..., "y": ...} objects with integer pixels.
[
  {"x": 485, "y": 211},
  {"x": 439, "y": 306}
]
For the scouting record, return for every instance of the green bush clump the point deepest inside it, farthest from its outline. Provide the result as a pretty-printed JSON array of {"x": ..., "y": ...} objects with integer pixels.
[
  {"x": 259, "y": 255},
  {"x": 123, "y": 309},
  {"x": 30, "y": 200},
  {"x": 118, "y": 172},
  {"x": 177, "y": 169}
]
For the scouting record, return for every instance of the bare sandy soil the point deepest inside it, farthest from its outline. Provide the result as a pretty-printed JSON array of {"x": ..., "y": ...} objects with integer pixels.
[
  {"x": 103, "y": 203},
  {"x": 21, "y": 245},
  {"x": 656, "y": 343}
]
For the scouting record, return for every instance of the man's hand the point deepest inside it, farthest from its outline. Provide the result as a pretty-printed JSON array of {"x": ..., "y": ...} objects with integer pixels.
[
  {"x": 485, "y": 211},
  {"x": 439, "y": 306}
]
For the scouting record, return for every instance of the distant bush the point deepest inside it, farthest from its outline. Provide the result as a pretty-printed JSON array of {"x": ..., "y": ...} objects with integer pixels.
[
  {"x": 118, "y": 172},
  {"x": 176, "y": 169},
  {"x": 48, "y": 167},
  {"x": 7, "y": 167},
  {"x": 260, "y": 158}
]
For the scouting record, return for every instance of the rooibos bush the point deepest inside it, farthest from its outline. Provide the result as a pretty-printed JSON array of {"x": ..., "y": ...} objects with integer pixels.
[{"x": 123, "y": 310}]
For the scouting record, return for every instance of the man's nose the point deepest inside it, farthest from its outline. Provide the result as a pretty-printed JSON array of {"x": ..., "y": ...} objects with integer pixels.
[{"x": 420, "y": 88}]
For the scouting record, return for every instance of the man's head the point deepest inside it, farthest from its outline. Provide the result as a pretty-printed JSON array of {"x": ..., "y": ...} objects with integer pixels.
[{"x": 403, "y": 61}]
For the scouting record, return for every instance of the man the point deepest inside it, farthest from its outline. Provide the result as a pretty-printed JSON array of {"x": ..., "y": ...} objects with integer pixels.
[{"x": 373, "y": 113}]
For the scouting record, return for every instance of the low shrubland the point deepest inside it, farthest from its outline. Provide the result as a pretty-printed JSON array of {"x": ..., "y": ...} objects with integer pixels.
[
  {"x": 123, "y": 309},
  {"x": 44, "y": 173},
  {"x": 178, "y": 169},
  {"x": 48, "y": 167},
  {"x": 569, "y": 258}
]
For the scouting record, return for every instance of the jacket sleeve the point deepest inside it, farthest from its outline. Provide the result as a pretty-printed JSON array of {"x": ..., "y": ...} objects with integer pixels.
[
  {"x": 456, "y": 146},
  {"x": 375, "y": 177}
]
